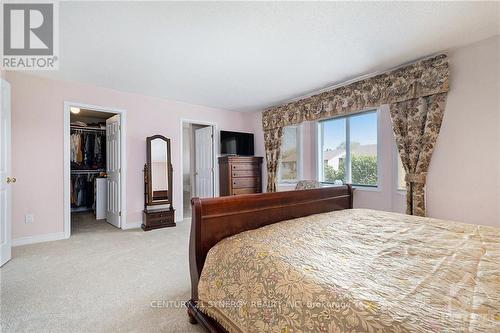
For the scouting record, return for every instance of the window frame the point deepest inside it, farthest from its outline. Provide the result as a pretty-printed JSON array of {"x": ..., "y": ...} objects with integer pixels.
[
  {"x": 398, "y": 175},
  {"x": 319, "y": 146},
  {"x": 285, "y": 182}
]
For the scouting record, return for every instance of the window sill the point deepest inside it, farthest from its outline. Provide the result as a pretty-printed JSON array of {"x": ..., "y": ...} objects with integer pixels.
[
  {"x": 357, "y": 187},
  {"x": 367, "y": 188},
  {"x": 287, "y": 184}
]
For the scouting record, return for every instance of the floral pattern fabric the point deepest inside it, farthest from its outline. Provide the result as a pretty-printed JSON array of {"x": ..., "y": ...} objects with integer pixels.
[
  {"x": 272, "y": 143},
  {"x": 307, "y": 184},
  {"x": 355, "y": 270},
  {"x": 416, "y": 124}
]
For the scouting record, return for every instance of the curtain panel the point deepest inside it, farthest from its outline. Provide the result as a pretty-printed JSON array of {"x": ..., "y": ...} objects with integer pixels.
[
  {"x": 272, "y": 143},
  {"x": 416, "y": 124},
  {"x": 406, "y": 89}
]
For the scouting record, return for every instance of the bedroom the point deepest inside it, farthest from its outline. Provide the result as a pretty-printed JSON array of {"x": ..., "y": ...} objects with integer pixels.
[{"x": 324, "y": 88}]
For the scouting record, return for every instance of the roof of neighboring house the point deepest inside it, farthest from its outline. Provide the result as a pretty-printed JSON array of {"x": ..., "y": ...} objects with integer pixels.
[
  {"x": 330, "y": 154},
  {"x": 360, "y": 150},
  {"x": 365, "y": 150}
]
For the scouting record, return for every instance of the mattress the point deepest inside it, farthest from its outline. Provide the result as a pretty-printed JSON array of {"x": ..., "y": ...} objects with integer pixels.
[{"x": 355, "y": 270}]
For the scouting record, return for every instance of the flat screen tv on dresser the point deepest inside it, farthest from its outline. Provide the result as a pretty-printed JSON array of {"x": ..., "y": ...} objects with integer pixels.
[{"x": 236, "y": 143}]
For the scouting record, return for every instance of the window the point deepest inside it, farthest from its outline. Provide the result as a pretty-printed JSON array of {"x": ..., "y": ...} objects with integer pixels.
[
  {"x": 348, "y": 150},
  {"x": 401, "y": 174},
  {"x": 290, "y": 152}
]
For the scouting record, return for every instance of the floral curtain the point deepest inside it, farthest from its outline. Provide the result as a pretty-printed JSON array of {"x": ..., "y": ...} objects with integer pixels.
[
  {"x": 272, "y": 143},
  {"x": 423, "y": 82},
  {"x": 416, "y": 124}
]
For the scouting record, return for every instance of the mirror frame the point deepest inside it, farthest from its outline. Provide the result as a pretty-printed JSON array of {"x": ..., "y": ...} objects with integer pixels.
[{"x": 148, "y": 200}]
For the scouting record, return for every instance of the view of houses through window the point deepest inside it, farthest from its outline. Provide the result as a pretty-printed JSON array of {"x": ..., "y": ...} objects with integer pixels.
[
  {"x": 288, "y": 168},
  {"x": 349, "y": 150}
]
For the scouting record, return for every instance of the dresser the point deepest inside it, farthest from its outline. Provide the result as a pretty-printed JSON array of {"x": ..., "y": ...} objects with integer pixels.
[{"x": 240, "y": 175}]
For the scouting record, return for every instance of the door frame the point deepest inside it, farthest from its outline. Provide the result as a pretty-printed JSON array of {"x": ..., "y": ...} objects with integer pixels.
[
  {"x": 6, "y": 231},
  {"x": 216, "y": 147},
  {"x": 67, "y": 163}
]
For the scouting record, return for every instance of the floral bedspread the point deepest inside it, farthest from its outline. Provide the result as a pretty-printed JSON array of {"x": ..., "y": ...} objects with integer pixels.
[{"x": 356, "y": 271}]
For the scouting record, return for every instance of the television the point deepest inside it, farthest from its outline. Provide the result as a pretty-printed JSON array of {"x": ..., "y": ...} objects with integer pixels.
[{"x": 236, "y": 143}]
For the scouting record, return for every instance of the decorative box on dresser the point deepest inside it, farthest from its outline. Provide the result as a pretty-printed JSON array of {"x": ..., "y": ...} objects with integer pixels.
[{"x": 240, "y": 175}]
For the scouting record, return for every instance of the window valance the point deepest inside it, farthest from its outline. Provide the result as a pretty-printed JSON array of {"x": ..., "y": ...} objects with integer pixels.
[{"x": 423, "y": 78}]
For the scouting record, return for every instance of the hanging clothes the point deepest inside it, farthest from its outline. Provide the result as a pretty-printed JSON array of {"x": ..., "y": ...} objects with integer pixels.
[
  {"x": 87, "y": 155},
  {"x": 82, "y": 190},
  {"x": 88, "y": 149}
]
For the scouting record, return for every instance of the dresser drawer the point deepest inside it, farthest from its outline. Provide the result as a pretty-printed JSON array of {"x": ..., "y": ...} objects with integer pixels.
[
  {"x": 245, "y": 173},
  {"x": 154, "y": 220},
  {"x": 246, "y": 182},
  {"x": 248, "y": 166},
  {"x": 159, "y": 222},
  {"x": 160, "y": 217},
  {"x": 250, "y": 190}
]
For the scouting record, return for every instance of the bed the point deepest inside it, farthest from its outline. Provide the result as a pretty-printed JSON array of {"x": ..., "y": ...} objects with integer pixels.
[{"x": 305, "y": 261}]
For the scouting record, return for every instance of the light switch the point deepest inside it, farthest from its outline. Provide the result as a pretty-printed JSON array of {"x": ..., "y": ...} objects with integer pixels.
[{"x": 29, "y": 218}]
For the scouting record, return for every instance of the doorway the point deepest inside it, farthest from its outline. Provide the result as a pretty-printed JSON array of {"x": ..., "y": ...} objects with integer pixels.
[
  {"x": 94, "y": 168},
  {"x": 199, "y": 161}
]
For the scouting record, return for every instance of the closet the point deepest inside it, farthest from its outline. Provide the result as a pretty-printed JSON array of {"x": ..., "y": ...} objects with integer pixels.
[
  {"x": 88, "y": 175},
  {"x": 88, "y": 163}
]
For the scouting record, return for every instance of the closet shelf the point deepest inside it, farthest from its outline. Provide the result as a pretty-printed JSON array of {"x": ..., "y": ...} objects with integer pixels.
[
  {"x": 90, "y": 129},
  {"x": 87, "y": 171}
]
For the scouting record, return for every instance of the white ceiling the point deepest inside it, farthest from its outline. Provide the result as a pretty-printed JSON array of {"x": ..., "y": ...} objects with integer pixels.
[{"x": 247, "y": 56}]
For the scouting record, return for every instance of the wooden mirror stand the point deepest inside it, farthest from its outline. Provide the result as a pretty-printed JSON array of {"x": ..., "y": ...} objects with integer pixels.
[{"x": 158, "y": 203}]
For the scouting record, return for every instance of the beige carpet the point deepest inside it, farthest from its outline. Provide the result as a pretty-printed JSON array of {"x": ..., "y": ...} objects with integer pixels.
[{"x": 102, "y": 279}]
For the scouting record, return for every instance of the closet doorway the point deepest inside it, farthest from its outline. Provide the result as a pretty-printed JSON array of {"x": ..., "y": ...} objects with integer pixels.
[
  {"x": 94, "y": 168},
  {"x": 199, "y": 162}
]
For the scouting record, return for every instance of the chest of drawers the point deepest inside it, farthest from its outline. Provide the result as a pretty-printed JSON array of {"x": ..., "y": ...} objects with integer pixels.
[{"x": 240, "y": 175}]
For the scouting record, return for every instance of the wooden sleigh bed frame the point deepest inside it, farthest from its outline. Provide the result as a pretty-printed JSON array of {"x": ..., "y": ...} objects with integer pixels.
[{"x": 214, "y": 219}]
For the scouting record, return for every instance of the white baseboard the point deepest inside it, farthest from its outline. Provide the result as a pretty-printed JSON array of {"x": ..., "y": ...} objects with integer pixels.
[
  {"x": 38, "y": 239},
  {"x": 60, "y": 235},
  {"x": 132, "y": 225}
]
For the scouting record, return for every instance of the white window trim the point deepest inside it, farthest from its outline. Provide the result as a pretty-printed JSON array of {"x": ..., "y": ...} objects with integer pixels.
[
  {"x": 319, "y": 146},
  {"x": 398, "y": 189},
  {"x": 300, "y": 159}
]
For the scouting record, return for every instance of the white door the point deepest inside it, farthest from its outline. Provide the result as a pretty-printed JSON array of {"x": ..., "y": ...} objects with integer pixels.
[
  {"x": 113, "y": 169},
  {"x": 5, "y": 178},
  {"x": 204, "y": 167}
]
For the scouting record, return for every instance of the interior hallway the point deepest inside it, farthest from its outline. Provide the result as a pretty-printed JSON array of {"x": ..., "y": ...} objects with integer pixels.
[{"x": 102, "y": 279}]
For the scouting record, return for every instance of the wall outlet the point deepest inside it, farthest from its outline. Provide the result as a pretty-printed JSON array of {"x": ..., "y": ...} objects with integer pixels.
[{"x": 29, "y": 218}]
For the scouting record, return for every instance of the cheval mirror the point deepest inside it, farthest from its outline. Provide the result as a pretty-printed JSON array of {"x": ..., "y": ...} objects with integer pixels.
[{"x": 158, "y": 202}]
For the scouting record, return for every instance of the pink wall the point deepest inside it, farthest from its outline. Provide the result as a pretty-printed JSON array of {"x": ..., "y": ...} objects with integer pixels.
[
  {"x": 464, "y": 177},
  {"x": 37, "y": 144}
]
